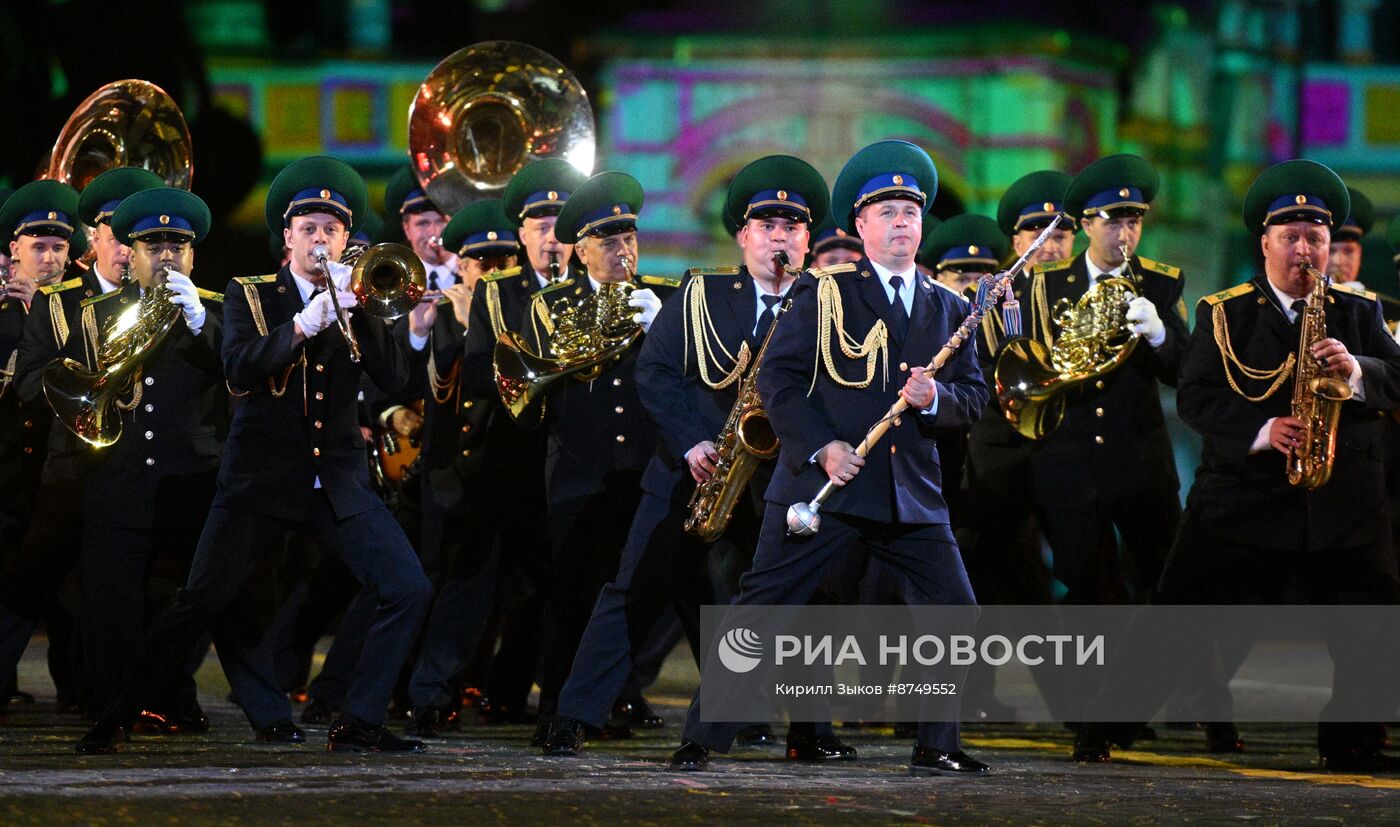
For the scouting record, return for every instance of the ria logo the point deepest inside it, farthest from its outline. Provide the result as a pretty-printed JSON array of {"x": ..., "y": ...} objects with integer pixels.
[{"x": 740, "y": 650}]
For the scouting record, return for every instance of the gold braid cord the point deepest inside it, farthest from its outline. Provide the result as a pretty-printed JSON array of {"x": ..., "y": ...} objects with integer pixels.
[
  {"x": 8, "y": 374},
  {"x": 59, "y": 320},
  {"x": 1279, "y": 375},
  {"x": 541, "y": 317},
  {"x": 90, "y": 335},
  {"x": 493, "y": 308},
  {"x": 1042, "y": 310},
  {"x": 700, "y": 332},
  {"x": 443, "y": 387},
  {"x": 255, "y": 306},
  {"x": 831, "y": 317}
]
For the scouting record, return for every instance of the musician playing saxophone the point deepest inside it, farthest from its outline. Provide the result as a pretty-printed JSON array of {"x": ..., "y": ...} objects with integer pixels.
[
  {"x": 1248, "y": 535},
  {"x": 697, "y": 354}
]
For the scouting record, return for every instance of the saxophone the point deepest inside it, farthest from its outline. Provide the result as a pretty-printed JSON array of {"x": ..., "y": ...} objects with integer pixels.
[
  {"x": 746, "y": 439},
  {"x": 1317, "y": 397}
]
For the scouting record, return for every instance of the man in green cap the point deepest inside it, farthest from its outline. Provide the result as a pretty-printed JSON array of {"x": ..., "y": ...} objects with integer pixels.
[
  {"x": 1344, "y": 258},
  {"x": 295, "y": 460},
  {"x": 999, "y": 537},
  {"x": 1108, "y": 468},
  {"x": 832, "y": 245},
  {"x": 162, "y": 469},
  {"x": 882, "y": 311},
  {"x": 485, "y": 242},
  {"x": 37, "y": 221},
  {"x": 422, "y": 223},
  {"x": 600, "y": 437},
  {"x": 1248, "y": 535},
  {"x": 689, "y": 378},
  {"x": 502, "y": 463}
]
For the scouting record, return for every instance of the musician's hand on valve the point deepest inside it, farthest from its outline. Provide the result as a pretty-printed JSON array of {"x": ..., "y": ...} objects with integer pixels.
[
  {"x": 184, "y": 294},
  {"x": 422, "y": 317},
  {"x": 919, "y": 390},
  {"x": 840, "y": 462},
  {"x": 461, "y": 296},
  {"x": 702, "y": 460},
  {"x": 1143, "y": 319},
  {"x": 648, "y": 304},
  {"x": 1286, "y": 433},
  {"x": 22, "y": 289},
  {"x": 1332, "y": 355}
]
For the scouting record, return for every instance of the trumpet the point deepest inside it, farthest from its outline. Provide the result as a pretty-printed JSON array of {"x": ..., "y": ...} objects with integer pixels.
[{"x": 342, "y": 318}]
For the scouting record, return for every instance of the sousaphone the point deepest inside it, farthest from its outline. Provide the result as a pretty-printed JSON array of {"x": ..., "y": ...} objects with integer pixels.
[
  {"x": 127, "y": 123},
  {"x": 489, "y": 109}
]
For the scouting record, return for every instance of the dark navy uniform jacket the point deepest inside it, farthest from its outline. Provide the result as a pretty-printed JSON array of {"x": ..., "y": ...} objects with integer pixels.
[
  {"x": 178, "y": 424},
  {"x": 688, "y": 411},
  {"x": 1113, "y": 437},
  {"x": 299, "y": 421},
  {"x": 1246, "y": 497},
  {"x": 902, "y": 481}
]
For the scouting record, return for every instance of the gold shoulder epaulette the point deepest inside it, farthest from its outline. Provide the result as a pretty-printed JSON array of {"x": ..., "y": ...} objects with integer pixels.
[
  {"x": 553, "y": 287},
  {"x": 660, "y": 281},
  {"x": 497, "y": 275},
  {"x": 91, "y": 300},
  {"x": 267, "y": 279},
  {"x": 1234, "y": 292},
  {"x": 712, "y": 271},
  {"x": 823, "y": 272},
  {"x": 209, "y": 295},
  {"x": 1158, "y": 267},
  {"x": 1052, "y": 266},
  {"x": 1349, "y": 287},
  {"x": 49, "y": 290}
]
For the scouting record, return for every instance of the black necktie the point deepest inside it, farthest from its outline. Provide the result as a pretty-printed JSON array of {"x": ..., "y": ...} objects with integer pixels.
[
  {"x": 768, "y": 316},
  {"x": 901, "y": 316},
  {"x": 314, "y": 293},
  {"x": 1298, "y": 307},
  {"x": 432, "y": 280}
]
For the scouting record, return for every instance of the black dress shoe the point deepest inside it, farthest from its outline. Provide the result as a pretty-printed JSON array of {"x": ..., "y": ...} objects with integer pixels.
[
  {"x": 691, "y": 757},
  {"x": 818, "y": 747},
  {"x": 189, "y": 716},
  {"x": 1359, "y": 759},
  {"x": 1223, "y": 737},
  {"x": 281, "y": 732},
  {"x": 18, "y": 697},
  {"x": 637, "y": 714},
  {"x": 423, "y": 722},
  {"x": 1091, "y": 745},
  {"x": 104, "y": 738},
  {"x": 757, "y": 735},
  {"x": 565, "y": 738},
  {"x": 317, "y": 712},
  {"x": 937, "y": 762},
  {"x": 353, "y": 735},
  {"x": 541, "y": 730}
]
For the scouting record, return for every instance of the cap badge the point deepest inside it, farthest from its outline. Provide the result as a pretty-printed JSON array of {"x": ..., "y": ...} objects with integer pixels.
[
  {"x": 899, "y": 180},
  {"x": 553, "y": 196},
  {"x": 782, "y": 195},
  {"x": 325, "y": 193},
  {"x": 491, "y": 235},
  {"x": 165, "y": 219},
  {"x": 1301, "y": 199},
  {"x": 1123, "y": 193},
  {"x": 972, "y": 250},
  {"x": 1048, "y": 207}
]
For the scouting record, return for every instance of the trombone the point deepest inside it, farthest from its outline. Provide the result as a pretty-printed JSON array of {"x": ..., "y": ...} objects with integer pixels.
[{"x": 342, "y": 318}]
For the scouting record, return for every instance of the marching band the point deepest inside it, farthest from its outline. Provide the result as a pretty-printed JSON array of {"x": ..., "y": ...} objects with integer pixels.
[{"x": 506, "y": 429}]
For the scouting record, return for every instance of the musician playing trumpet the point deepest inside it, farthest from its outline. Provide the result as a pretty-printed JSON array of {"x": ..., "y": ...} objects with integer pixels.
[
  {"x": 1248, "y": 534},
  {"x": 872, "y": 326},
  {"x": 689, "y": 376}
]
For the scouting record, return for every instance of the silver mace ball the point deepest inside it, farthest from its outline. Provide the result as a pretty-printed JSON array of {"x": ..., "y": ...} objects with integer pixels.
[{"x": 803, "y": 519}]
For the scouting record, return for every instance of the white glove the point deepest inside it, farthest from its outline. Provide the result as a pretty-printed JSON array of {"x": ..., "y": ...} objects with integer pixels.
[
  {"x": 648, "y": 304},
  {"x": 1142, "y": 319},
  {"x": 340, "y": 273},
  {"x": 319, "y": 314},
  {"x": 184, "y": 294}
]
